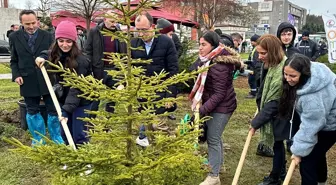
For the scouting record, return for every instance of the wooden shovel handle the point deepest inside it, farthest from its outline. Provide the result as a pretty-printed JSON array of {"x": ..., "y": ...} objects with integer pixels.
[
  {"x": 242, "y": 158},
  {"x": 58, "y": 108},
  {"x": 243, "y": 155},
  {"x": 290, "y": 172}
]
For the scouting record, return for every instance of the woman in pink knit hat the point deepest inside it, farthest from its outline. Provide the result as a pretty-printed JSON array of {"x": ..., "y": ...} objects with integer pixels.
[{"x": 67, "y": 52}]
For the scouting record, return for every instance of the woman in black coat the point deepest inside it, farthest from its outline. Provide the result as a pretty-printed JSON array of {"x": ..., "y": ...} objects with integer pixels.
[{"x": 66, "y": 51}]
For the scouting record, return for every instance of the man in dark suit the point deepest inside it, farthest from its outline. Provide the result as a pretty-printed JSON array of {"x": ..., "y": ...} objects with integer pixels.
[
  {"x": 27, "y": 44},
  {"x": 10, "y": 31},
  {"x": 162, "y": 51}
]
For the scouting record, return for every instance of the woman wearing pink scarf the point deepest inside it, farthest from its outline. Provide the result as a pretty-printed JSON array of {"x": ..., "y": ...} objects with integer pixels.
[{"x": 215, "y": 89}]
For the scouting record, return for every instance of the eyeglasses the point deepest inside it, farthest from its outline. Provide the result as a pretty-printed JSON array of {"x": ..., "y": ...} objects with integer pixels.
[{"x": 142, "y": 29}]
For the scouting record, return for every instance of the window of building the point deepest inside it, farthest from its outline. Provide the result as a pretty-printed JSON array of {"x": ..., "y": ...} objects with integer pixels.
[
  {"x": 265, "y": 6},
  {"x": 264, "y": 22}
]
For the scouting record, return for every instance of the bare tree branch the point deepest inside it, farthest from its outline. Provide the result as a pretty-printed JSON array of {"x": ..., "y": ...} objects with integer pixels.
[
  {"x": 44, "y": 6},
  {"x": 210, "y": 12},
  {"x": 82, "y": 8},
  {"x": 29, "y": 4},
  {"x": 11, "y": 5}
]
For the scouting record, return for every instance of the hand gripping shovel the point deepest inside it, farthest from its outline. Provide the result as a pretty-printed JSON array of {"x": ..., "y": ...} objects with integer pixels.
[
  {"x": 58, "y": 107},
  {"x": 289, "y": 173},
  {"x": 243, "y": 155}
]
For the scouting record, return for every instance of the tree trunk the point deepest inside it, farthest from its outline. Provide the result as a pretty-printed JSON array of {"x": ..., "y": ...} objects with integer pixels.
[
  {"x": 196, "y": 18},
  {"x": 88, "y": 23}
]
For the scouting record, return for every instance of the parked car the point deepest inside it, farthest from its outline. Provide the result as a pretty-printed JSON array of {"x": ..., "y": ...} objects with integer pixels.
[{"x": 4, "y": 48}]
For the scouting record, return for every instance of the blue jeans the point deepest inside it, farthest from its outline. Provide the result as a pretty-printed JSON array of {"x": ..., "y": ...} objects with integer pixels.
[
  {"x": 77, "y": 127},
  {"x": 214, "y": 139}
]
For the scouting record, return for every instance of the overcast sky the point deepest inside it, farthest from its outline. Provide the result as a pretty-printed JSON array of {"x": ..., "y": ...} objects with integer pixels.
[
  {"x": 313, "y": 6},
  {"x": 317, "y": 7}
]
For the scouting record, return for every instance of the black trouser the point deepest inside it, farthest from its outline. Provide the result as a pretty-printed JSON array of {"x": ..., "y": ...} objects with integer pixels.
[
  {"x": 279, "y": 159},
  {"x": 313, "y": 168},
  {"x": 33, "y": 105},
  {"x": 253, "y": 84}
]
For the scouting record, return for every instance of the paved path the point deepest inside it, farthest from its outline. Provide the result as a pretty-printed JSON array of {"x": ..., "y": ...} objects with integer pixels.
[
  {"x": 4, "y": 59},
  {"x": 5, "y": 76}
]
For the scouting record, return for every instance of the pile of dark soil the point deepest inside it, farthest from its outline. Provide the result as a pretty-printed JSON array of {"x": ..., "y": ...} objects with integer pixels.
[{"x": 12, "y": 116}]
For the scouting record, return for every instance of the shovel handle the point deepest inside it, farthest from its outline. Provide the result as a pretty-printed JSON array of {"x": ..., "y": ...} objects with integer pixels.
[
  {"x": 242, "y": 158},
  {"x": 58, "y": 107},
  {"x": 290, "y": 172},
  {"x": 243, "y": 155}
]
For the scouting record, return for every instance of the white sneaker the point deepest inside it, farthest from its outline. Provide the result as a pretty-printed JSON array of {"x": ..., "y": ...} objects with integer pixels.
[
  {"x": 142, "y": 142},
  {"x": 87, "y": 172},
  {"x": 65, "y": 167},
  {"x": 210, "y": 180},
  {"x": 322, "y": 183}
]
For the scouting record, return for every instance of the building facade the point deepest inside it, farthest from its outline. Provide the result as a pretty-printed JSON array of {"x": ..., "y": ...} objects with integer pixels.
[
  {"x": 273, "y": 12},
  {"x": 8, "y": 16}
]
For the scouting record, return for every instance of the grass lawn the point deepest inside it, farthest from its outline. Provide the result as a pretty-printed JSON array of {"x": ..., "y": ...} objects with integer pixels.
[
  {"x": 16, "y": 170},
  {"x": 9, "y": 95},
  {"x": 244, "y": 56},
  {"x": 4, "y": 68}
]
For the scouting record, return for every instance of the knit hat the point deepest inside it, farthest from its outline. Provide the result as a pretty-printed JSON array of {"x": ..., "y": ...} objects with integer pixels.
[
  {"x": 164, "y": 25},
  {"x": 305, "y": 33},
  {"x": 67, "y": 30},
  {"x": 255, "y": 38},
  {"x": 212, "y": 37},
  {"x": 219, "y": 31},
  {"x": 227, "y": 40}
]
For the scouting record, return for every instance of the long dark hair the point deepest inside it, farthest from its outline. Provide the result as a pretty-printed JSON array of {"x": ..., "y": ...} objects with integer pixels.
[
  {"x": 70, "y": 60},
  {"x": 301, "y": 64}
]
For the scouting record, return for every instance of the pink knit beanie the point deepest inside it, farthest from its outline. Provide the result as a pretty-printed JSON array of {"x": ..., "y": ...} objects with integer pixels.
[{"x": 67, "y": 30}]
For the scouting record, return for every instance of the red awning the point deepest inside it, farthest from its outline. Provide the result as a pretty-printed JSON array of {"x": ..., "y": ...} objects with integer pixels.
[
  {"x": 161, "y": 13},
  {"x": 63, "y": 15},
  {"x": 158, "y": 12}
]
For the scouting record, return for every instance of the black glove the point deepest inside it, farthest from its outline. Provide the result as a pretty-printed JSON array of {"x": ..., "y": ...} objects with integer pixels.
[
  {"x": 248, "y": 62},
  {"x": 203, "y": 136}
]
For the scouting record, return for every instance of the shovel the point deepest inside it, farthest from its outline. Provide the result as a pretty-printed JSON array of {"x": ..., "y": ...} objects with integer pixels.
[
  {"x": 243, "y": 155},
  {"x": 289, "y": 173},
  {"x": 242, "y": 158},
  {"x": 58, "y": 108}
]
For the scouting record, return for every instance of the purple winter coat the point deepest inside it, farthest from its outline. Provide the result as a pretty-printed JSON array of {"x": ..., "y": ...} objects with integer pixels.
[{"x": 219, "y": 95}]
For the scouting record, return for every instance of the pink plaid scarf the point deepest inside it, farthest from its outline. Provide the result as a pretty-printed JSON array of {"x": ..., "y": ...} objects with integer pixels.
[{"x": 196, "y": 93}]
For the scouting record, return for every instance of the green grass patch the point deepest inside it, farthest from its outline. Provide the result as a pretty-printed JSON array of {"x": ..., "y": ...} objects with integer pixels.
[
  {"x": 324, "y": 59},
  {"x": 244, "y": 56},
  {"x": 17, "y": 170},
  {"x": 4, "y": 68},
  {"x": 9, "y": 95}
]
